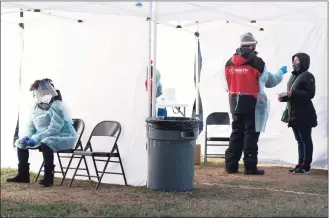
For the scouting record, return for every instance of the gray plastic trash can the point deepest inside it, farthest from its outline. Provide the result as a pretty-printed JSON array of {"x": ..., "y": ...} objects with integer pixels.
[{"x": 171, "y": 153}]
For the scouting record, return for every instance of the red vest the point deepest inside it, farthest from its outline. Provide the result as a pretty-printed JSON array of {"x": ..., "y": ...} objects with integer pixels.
[{"x": 241, "y": 77}]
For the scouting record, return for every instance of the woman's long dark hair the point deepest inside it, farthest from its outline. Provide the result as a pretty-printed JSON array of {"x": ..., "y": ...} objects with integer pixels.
[{"x": 59, "y": 96}]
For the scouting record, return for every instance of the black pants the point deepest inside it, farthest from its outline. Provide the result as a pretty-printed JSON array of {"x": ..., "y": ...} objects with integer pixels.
[
  {"x": 48, "y": 155},
  {"x": 243, "y": 139},
  {"x": 303, "y": 136}
]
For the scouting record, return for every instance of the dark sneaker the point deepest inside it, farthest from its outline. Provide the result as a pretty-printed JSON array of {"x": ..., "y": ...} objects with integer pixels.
[
  {"x": 296, "y": 167},
  {"x": 302, "y": 170}
]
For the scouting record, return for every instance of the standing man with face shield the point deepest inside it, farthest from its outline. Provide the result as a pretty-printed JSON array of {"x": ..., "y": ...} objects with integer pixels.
[
  {"x": 50, "y": 129},
  {"x": 247, "y": 77}
]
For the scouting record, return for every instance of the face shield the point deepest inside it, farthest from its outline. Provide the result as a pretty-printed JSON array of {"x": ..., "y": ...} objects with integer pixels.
[{"x": 44, "y": 92}]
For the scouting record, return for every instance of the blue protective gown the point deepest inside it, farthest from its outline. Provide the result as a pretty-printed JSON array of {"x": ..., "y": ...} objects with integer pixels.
[
  {"x": 262, "y": 109},
  {"x": 52, "y": 127}
]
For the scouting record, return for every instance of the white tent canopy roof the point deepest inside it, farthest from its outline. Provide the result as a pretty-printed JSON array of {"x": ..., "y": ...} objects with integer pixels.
[{"x": 191, "y": 11}]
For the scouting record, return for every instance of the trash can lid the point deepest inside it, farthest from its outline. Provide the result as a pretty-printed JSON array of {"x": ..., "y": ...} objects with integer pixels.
[{"x": 173, "y": 123}]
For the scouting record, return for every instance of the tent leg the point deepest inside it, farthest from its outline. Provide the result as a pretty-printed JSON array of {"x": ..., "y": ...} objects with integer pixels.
[
  {"x": 197, "y": 73},
  {"x": 21, "y": 25},
  {"x": 149, "y": 101},
  {"x": 155, "y": 21}
]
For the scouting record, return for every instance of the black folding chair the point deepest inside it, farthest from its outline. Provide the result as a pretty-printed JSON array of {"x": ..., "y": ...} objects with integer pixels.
[
  {"x": 107, "y": 129},
  {"x": 79, "y": 127},
  {"x": 216, "y": 118}
]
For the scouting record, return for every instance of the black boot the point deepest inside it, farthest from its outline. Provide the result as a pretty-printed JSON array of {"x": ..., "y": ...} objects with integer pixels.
[
  {"x": 49, "y": 176},
  {"x": 250, "y": 164},
  {"x": 231, "y": 167},
  {"x": 231, "y": 171},
  {"x": 250, "y": 168},
  {"x": 48, "y": 157},
  {"x": 23, "y": 175}
]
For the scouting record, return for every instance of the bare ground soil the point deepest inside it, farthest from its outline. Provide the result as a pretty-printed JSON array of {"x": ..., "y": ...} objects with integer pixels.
[{"x": 277, "y": 193}]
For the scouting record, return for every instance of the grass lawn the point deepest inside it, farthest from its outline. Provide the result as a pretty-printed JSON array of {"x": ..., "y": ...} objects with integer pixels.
[{"x": 216, "y": 194}]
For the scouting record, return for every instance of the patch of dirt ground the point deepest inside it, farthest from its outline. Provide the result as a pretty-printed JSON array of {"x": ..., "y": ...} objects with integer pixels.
[
  {"x": 276, "y": 177},
  {"x": 83, "y": 192}
]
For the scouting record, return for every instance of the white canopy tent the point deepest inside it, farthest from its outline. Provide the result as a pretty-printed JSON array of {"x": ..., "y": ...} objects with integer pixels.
[
  {"x": 192, "y": 11},
  {"x": 98, "y": 63}
]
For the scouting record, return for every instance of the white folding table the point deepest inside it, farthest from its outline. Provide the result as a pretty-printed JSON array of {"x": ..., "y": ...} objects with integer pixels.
[{"x": 174, "y": 105}]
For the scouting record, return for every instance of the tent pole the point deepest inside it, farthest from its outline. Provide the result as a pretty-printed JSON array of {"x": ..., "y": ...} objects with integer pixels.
[
  {"x": 21, "y": 25},
  {"x": 155, "y": 20},
  {"x": 149, "y": 101},
  {"x": 197, "y": 77}
]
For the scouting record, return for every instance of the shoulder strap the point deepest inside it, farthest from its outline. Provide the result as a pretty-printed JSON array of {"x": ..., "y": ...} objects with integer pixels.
[{"x": 296, "y": 79}]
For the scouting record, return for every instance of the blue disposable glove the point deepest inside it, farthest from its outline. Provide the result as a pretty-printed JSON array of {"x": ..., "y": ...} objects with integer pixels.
[
  {"x": 31, "y": 142},
  {"x": 284, "y": 70},
  {"x": 25, "y": 139}
]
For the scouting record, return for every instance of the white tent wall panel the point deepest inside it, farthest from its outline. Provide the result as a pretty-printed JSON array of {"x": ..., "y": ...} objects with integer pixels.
[
  {"x": 276, "y": 46},
  {"x": 99, "y": 66},
  {"x": 10, "y": 61}
]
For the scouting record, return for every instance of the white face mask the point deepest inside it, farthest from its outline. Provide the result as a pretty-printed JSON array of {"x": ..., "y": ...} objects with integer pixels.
[
  {"x": 46, "y": 99},
  {"x": 36, "y": 99}
]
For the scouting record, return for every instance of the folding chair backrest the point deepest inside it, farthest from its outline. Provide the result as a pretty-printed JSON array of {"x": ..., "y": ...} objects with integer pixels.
[
  {"x": 79, "y": 127},
  {"x": 218, "y": 118},
  {"x": 107, "y": 128}
]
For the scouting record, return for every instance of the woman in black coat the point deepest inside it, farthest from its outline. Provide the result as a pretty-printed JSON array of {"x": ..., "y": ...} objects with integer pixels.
[{"x": 301, "y": 113}]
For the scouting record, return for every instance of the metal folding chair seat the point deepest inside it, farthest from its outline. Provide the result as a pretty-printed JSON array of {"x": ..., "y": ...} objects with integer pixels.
[{"x": 102, "y": 129}]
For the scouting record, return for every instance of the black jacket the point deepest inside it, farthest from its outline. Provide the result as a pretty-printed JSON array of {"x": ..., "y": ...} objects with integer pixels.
[{"x": 300, "y": 107}]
